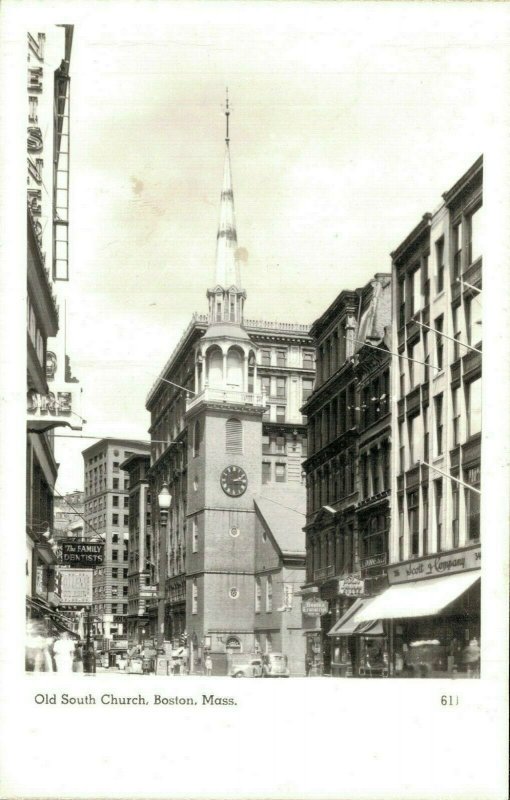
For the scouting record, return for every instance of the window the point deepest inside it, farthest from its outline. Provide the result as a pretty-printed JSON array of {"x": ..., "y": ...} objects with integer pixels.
[
  {"x": 280, "y": 472},
  {"x": 412, "y": 425},
  {"x": 474, "y": 319},
  {"x": 281, "y": 388},
  {"x": 266, "y": 472},
  {"x": 456, "y": 415},
  {"x": 402, "y": 380},
  {"x": 457, "y": 249},
  {"x": 440, "y": 265},
  {"x": 115, "y": 466},
  {"x": 438, "y": 489},
  {"x": 386, "y": 466},
  {"x": 456, "y": 332},
  {"x": 265, "y": 385},
  {"x": 114, "y": 608},
  {"x": 402, "y": 304},
  {"x": 472, "y": 500},
  {"x": 416, "y": 284},
  {"x": 115, "y": 501},
  {"x": 124, "y": 608},
  {"x": 258, "y": 595},
  {"x": 438, "y": 405},
  {"x": 218, "y": 312},
  {"x": 194, "y": 535},
  {"x": 425, "y": 518},
  {"x": 125, "y": 554},
  {"x": 364, "y": 475},
  {"x": 426, "y": 355},
  {"x": 194, "y": 596},
  {"x": 269, "y": 643},
  {"x": 474, "y": 407},
  {"x": 115, "y": 572},
  {"x": 126, "y": 520},
  {"x": 126, "y": 502},
  {"x": 126, "y": 483},
  {"x": 115, "y": 538},
  {"x": 474, "y": 236},
  {"x": 413, "y": 512},
  {"x": 400, "y": 528},
  {"x": 304, "y": 446},
  {"x": 124, "y": 573},
  {"x": 269, "y": 594},
  {"x": 280, "y": 444},
  {"x": 265, "y": 358},
  {"x": 438, "y": 324},
  {"x": 234, "y": 435},
  {"x": 280, "y": 413},
  {"x": 455, "y": 514},
  {"x": 115, "y": 483},
  {"x": 115, "y": 590},
  {"x": 232, "y": 310},
  {"x": 266, "y": 447},
  {"x": 410, "y": 364},
  {"x": 307, "y": 359},
  {"x": 307, "y": 388},
  {"x": 374, "y": 464},
  {"x": 426, "y": 435},
  {"x": 124, "y": 591},
  {"x": 196, "y": 439},
  {"x": 281, "y": 358},
  {"x": 115, "y": 519},
  {"x": 401, "y": 447}
]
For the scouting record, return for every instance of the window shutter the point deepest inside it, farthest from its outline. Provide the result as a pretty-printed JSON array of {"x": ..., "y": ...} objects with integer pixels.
[{"x": 234, "y": 436}]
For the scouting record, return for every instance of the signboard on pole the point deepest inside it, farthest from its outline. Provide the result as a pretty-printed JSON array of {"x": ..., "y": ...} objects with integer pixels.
[
  {"x": 313, "y": 607},
  {"x": 82, "y": 554},
  {"x": 76, "y": 587},
  {"x": 351, "y": 586}
]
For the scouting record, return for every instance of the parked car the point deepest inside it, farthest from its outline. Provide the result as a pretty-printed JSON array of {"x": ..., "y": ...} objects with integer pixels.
[
  {"x": 275, "y": 665},
  {"x": 246, "y": 667}
]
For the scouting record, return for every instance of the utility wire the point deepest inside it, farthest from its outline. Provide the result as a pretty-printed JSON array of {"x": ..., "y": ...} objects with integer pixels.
[
  {"x": 451, "y": 338},
  {"x": 64, "y": 498},
  {"x": 399, "y": 355}
]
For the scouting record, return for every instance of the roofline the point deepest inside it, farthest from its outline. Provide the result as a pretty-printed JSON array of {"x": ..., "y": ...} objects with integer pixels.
[
  {"x": 451, "y": 194},
  {"x": 418, "y": 231},
  {"x": 112, "y": 440},
  {"x": 135, "y": 457},
  {"x": 345, "y": 297}
]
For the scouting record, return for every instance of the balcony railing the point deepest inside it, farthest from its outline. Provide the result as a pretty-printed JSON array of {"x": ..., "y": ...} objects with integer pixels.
[
  {"x": 210, "y": 395},
  {"x": 324, "y": 572}
]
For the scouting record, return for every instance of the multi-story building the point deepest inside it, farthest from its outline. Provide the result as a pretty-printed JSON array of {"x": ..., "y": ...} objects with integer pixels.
[
  {"x": 68, "y": 515},
  {"x": 347, "y": 523},
  {"x": 227, "y": 429},
  {"x": 52, "y": 395},
  {"x": 107, "y": 518},
  {"x": 142, "y": 616},
  {"x": 432, "y": 607}
]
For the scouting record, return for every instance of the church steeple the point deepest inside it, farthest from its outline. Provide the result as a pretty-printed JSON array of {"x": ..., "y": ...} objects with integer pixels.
[{"x": 226, "y": 298}]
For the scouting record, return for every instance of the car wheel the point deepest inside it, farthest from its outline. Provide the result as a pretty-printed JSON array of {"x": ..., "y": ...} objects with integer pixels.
[{"x": 239, "y": 675}]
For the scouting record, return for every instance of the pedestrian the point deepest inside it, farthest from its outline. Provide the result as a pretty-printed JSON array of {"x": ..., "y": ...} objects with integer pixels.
[
  {"x": 78, "y": 659},
  {"x": 63, "y": 650},
  {"x": 208, "y": 664}
]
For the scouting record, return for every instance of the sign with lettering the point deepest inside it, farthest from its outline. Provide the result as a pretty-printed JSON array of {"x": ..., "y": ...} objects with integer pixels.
[
  {"x": 373, "y": 561},
  {"x": 75, "y": 587},
  {"x": 314, "y": 607},
  {"x": 62, "y": 403},
  {"x": 351, "y": 586},
  {"x": 81, "y": 554},
  {"x": 434, "y": 566}
]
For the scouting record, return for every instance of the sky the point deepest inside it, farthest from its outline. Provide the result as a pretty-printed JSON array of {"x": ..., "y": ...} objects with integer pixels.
[{"x": 348, "y": 122}]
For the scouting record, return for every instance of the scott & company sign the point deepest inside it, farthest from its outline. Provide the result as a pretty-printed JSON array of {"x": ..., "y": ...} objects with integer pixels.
[{"x": 435, "y": 566}]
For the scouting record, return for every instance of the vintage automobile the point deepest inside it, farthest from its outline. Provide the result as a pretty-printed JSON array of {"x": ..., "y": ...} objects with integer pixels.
[
  {"x": 275, "y": 665},
  {"x": 247, "y": 666}
]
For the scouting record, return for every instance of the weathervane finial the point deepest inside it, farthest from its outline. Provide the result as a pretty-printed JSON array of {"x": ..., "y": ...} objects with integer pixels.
[{"x": 227, "y": 114}]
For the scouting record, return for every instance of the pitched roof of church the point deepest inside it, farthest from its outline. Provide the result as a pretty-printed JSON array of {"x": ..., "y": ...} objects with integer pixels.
[{"x": 283, "y": 511}]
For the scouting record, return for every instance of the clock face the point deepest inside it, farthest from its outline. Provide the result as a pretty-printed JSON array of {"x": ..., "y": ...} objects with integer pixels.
[{"x": 234, "y": 481}]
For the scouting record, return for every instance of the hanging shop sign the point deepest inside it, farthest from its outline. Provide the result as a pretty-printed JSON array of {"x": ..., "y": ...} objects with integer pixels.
[
  {"x": 373, "y": 561},
  {"x": 75, "y": 587},
  {"x": 82, "y": 554},
  {"x": 444, "y": 564},
  {"x": 314, "y": 607},
  {"x": 351, "y": 586},
  {"x": 62, "y": 403}
]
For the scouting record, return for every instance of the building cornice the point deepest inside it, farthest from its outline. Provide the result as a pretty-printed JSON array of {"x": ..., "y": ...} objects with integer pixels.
[{"x": 412, "y": 239}]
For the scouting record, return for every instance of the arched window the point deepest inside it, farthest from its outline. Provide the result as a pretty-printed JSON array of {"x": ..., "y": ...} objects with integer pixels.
[
  {"x": 233, "y": 436},
  {"x": 215, "y": 367},
  {"x": 234, "y": 369},
  {"x": 233, "y": 645},
  {"x": 196, "y": 439}
]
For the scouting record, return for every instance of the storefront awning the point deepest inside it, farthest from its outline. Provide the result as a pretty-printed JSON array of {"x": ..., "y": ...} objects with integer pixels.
[
  {"x": 418, "y": 598},
  {"x": 349, "y": 624}
]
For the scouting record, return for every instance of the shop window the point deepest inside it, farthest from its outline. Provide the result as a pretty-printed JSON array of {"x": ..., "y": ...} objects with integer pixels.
[
  {"x": 266, "y": 472},
  {"x": 472, "y": 502}
]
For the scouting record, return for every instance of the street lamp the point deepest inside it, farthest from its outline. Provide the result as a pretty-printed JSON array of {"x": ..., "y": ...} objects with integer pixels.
[{"x": 164, "y": 502}]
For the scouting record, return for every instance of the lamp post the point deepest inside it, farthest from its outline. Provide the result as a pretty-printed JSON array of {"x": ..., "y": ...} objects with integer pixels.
[
  {"x": 164, "y": 502},
  {"x": 89, "y": 656}
]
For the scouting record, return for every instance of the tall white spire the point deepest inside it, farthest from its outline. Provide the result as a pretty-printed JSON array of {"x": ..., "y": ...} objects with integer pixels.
[{"x": 227, "y": 266}]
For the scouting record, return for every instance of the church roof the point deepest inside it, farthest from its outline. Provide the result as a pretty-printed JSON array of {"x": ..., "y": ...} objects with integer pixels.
[
  {"x": 283, "y": 512},
  {"x": 227, "y": 266}
]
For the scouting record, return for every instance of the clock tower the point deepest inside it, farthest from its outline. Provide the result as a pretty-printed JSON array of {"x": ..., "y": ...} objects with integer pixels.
[{"x": 224, "y": 421}]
